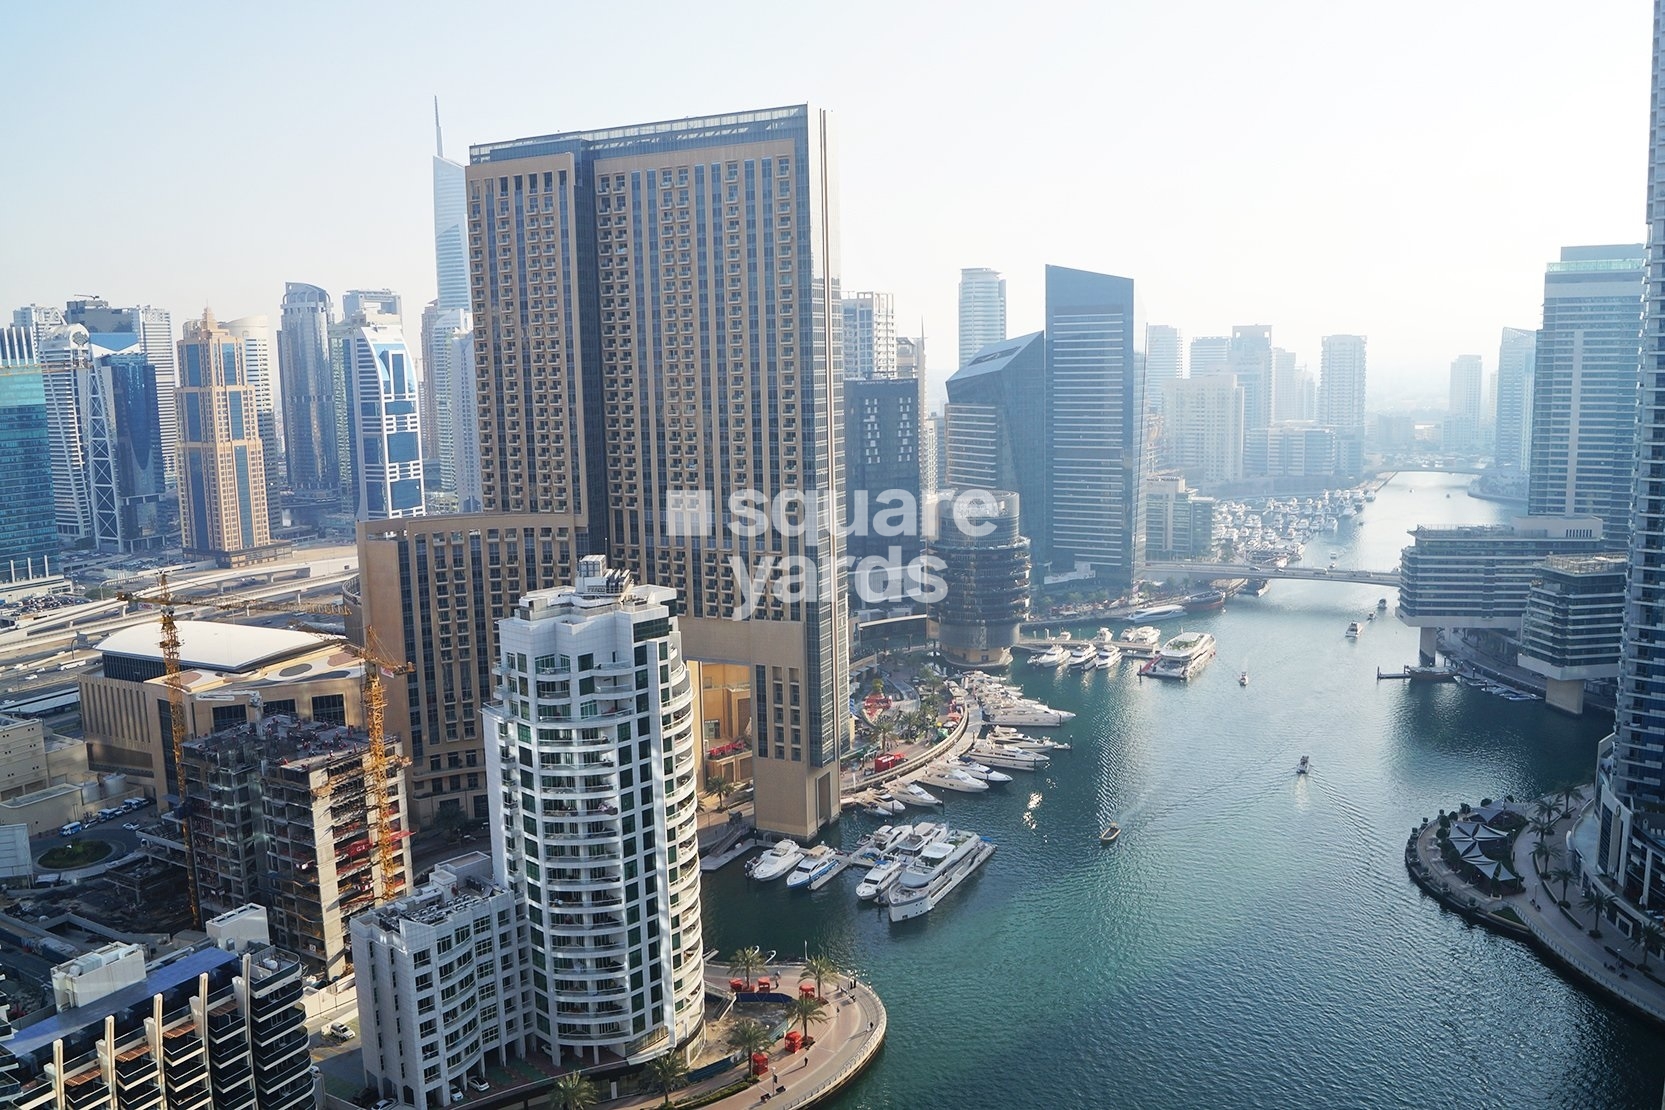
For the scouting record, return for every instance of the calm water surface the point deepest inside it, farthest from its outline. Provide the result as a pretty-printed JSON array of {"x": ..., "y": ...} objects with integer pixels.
[{"x": 1253, "y": 940}]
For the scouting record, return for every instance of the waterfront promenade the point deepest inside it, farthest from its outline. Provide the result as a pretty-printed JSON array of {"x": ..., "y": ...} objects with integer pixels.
[{"x": 1609, "y": 964}]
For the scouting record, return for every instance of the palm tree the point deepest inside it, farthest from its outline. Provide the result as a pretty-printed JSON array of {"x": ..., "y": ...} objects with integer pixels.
[
  {"x": 1541, "y": 854},
  {"x": 805, "y": 1009},
  {"x": 746, "y": 963},
  {"x": 1563, "y": 876},
  {"x": 822, "y": 968},
  {"x": 1596, "y": 903},
  {"x": 722, "y": 788},
  {"x": 881, "y": 735},
  {"x": 1649, "y": 936},
  {"x": 1545, "y": 810},
  {"x": 668, "y": 1072},
  {"x": 749, "y": 1036},
  {"x": 1567, "y": 795},
  {"x": 574, "y": 1092}
]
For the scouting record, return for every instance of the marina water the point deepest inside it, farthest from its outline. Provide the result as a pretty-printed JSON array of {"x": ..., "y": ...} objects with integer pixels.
[{"x": 1253, "y": 940}]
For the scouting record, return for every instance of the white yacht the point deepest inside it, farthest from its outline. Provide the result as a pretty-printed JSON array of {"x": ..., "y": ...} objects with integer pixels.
[
  {"x": 978, "y": 771},
  {"x": 777, "y": 861},
  {"x": 1004, "y": 755},
  {"x": 918, "y": 835},
  {"x": 1157, "y": 612},
  {"x": 951, "y": 778},
  {"x": 811, "y": 866},
  {"x": 1027, "y": 713},
  {"x": 915, "y": 795},
  {"x": 1184, "y": 655},
  {"x": 1146, "y": 639},
  {"x": 878, "y": 880},
  {"x": 1108, "y": 656},
  {"x": 1011, "y": 737},
  {"x": 1353, "y": 630},
  {"x": 1053, "y": 656},
  {"x": 1082, "y": 657},
  {"x": 941, "y": 867}
]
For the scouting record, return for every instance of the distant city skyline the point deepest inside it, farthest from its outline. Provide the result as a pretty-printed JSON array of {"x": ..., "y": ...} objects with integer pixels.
[{"x": 1319, "y": 237}]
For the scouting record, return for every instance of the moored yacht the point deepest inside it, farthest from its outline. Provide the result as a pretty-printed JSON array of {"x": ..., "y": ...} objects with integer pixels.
[
  {"x": 1108, "y": 656},
  {"x": 977, "y": 770},
  {"x": 1053, "y": 656},
  {"x": 1004, "y": 755},
  {"x": 878, "y": 880},
  {"x": 777, "y": 861},
  {"x": 1143, "y": 640},
  {"x": 1184, "y": 655},
  {"x": 811, "y": 866},
  {"x": 1157, "y": 612},
  {"x": 915, "y": 795},
  {"x": 941, "y": 867},
  {"x": 952, "y": 778},
  {"x": 1082, "y": 656}
]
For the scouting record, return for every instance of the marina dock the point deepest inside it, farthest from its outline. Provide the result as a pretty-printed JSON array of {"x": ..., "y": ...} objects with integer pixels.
[{"x": 844, "y": 860}]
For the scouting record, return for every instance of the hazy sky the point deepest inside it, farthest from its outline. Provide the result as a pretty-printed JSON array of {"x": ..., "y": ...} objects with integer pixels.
[{"x": 1402, "y": 171}]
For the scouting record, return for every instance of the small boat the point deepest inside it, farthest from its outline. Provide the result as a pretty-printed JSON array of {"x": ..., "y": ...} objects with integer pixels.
[
  {"x": 915, "y": 795},
  {"x": 777, "y": 861},
  {"x": 953, "y": 778},
  {"x": 1110, "y": 833},
  {"x": 1353, "y": 630},
  {"x": 1083, "y": 657},
  {"x": 1301, "y": 767},
  {"x": 980, "y": 772},
  {"x": 1108, "y": 656},
  {"x": 1207, "y": 601},
  {"x": 880, "y": 879},
  {"x": 814, "y": 863},
  {"x": 1243, "y": 678}
]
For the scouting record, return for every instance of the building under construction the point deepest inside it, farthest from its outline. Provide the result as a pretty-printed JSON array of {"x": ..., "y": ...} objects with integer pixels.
[{"x": 282, "y": 813}]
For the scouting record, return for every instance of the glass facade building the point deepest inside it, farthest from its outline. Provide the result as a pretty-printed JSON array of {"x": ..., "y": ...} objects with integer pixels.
[
  {"x": 1516, "y": 358},
  {"x": 223, "y": 492},
  {"x": 982, "y": 310},
  {"x": 28, "y": 528},
  {"x": 384, "y": 424},
  {"x": 309, "y": 392},
  {"x": 1583, "y": 446},
  {"x": 996, "y": 415}
]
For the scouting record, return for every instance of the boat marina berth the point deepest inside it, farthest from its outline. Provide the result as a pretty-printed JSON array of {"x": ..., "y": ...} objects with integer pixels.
[{"x": 1183, "y": 656}]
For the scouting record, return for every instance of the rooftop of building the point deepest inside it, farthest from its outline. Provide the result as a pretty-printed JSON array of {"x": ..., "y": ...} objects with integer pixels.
[
  {"x": 733, "y": 126},
  {"x": 1588, "y": 564},
  {"x": 212, "y": 646},
  {"x": 287, "y": 741},
  {"x": 438, "y": 900},
  {"x": 598, "y": 588},
  {"x": 161, "y": 979},
  {"x": 995, "y": 357}
]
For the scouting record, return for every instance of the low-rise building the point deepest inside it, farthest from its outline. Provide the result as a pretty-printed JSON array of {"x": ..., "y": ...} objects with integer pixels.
[
  {"x": 44, "y": 779},
  {"x": 1572, "y": 625},
  {"x": 444, "y": 983},
  {"x": 206, "y": 1029}
]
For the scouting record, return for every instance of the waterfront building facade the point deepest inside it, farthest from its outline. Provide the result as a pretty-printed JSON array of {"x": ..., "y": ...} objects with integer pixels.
[
  {"x": 598, "y": 261},
  {"x": 1291, "y": 450},
  {"x": 592, "y": 754},
  {"x": 1629, "y": 853},
  {"x": 444, "y": 984},
  {"x": 28, "y": 527},
  {"x": 869, "y": 336},
  {"x": 1164, "y": 362},
  {"x": 309, "y": 393},
  {"x": 1586, "y": 363},
  {"x": 1180, "y": 522},
  {"x": 383, "y": 423},
  {"x": 982, "y": 310},
  {"x": 995, "y": 416},
  {"x": 1462, "y": 415},
  {"x": 223, "y": 493},
  {"x": 1572, "y": 624},
  {"x": 985, "y": 577},
  {"x": 1202, "y": 428},
  {"x": 207, "y": 1029},
  {"x": 1516, "y": 361},
  {"x": 433, "y": 589},
  {"x": 1095, "y": 424}
]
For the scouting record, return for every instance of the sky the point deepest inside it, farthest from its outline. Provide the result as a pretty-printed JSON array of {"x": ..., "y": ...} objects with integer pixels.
[{"x": 1399, "y": 171}]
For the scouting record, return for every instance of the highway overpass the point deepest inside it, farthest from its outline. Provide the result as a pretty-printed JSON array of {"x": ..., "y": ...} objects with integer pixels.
[{"x": 1247, "y": 570}]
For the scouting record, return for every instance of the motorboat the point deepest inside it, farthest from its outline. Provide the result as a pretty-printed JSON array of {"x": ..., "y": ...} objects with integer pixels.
[
  {"x": 978, "y": 771},
  {"x": 915, "y": 795},
  {"x": 1206, "y": 602},
  {"x": 1111, "y": 832},
  {"x": 1013, "y": 738},
  {"x": 1157, "y": 612},
  {"x": 918, "y": 836},
  {"x": 814, "y": 863},
  {"x": 777, "y": 861},
  {"x": 952, "y": 778},
  {"x": 940, "y": 868},
  {"x": 1184, "y": 655},
  {"x": 1053, "y": 656},
  {"x": 1353, "y": 630},
  {"x": 1142, "y": 640},
  {"x": 1108, "y": 656},
  {"x": 1083, "y": 657},
  {"x": 1004, "y": 755},
  {"x": 1301, "y": 767},
  {"x": 1025, "y": 712},
  {"x": 1243, "y": 678},
  {"x": 878, "y": 880}
]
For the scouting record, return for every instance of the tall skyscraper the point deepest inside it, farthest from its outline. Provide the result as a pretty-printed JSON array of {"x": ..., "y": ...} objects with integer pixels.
[
  {"x": 122, "y": 436},
  {"x": 1341, "y": 369},
  {"x": 1516, "y": 357},
  {"x": 1583, "y": 448},
  {"x": 463, "y": 391},
  {"x": 881, "y": 462},
  {"x": 260, "y": 357},
  {"x": 982, "y": 310},
  {"x": 309, "y": 392},
  {"x": 154, "y": 327},
  {"x": 1630, "y": 856},
  {"x": 450, "y": 224},
  {"x": 602, "y": 409},
  {"x": 1210, "y": 354},
  {"x": 1250, "y": 358},
  {"x": 375, "y": 306},
  {"x": 66, "y": 357},
  {"x": 383, "y": 428},
  {"x": 222, "y": 502},
  {"x": 1462, "y": 416},
  {"x": 28, "y": 528},
  {"x": 446, "y": 316},
  {"x": 1288, "y": 387},
  {"x": 609, "y": 702},
  {"x": 1095, "y": 441},
  {"x": 996, "y": 414},
  {"x": 445, "y": 416},
  {"x": 1164, "y": 362},
  {"x": 1203, "y": 428},
  {"x": 869, "y": 336}
]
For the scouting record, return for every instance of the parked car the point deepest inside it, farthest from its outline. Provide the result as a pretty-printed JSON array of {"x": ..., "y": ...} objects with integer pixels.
[
  {"x": 340, "y": 1030},
  {"x": 475, "y": 1083},
  {"x": 131, "y": 826},
  {"x": 384, "y": 1104}
]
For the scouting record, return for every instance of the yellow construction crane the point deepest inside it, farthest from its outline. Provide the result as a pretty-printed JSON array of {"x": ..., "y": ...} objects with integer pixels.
[
  {"x": 165, "y": 600},
  {"x": 380, "y": 762}
]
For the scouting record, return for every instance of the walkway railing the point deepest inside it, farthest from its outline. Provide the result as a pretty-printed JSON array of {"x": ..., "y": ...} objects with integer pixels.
[{"x": 873, "y": 1038}]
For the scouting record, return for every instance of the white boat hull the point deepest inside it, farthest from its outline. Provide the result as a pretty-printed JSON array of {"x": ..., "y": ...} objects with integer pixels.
[{"x": 941, "y": 886}]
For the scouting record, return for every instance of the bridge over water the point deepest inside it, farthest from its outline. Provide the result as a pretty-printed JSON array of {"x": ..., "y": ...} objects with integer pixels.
[{"x": 1247, "y": 570}]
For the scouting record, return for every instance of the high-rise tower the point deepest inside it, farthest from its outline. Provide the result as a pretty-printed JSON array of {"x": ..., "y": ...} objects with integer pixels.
[
  {"x": 1583, "y": 448},
  {"x": 1164, "y": 361},
  {"x": 656, "y": 310},
  {"x": 982, "y": 310},
  {"x": 869, "y": 336},
  {"x": 309, "y": 393},
  {"x": 1516, "y": 356},
  {"x": 154, "y": 327},
  {"x": 28, "y": 534},
  {"x": 383, "y": 428},
  {"x": 1462, "y": 416},
  {"x": 260, "y": 357}
]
